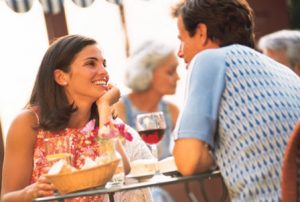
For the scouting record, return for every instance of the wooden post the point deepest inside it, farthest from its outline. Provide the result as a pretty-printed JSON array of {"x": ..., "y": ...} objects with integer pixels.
[
  {"x": 123, "y": 21},
  {"x": 269, "y": 18},
  {"x": 56, "y": 25},
  {"x": 294, "y": 14}
]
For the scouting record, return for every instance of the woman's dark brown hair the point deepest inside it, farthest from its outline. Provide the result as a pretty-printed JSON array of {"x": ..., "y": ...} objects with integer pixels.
[{"x": 47, "y": 95}]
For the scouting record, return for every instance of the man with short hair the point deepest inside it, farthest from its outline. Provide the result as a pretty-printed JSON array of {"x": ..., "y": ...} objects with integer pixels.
[{"x": 240, "y": 105}]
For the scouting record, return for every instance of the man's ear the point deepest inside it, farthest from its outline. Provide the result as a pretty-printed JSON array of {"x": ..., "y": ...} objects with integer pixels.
[
  {"x": 60, "y": 77},
  {"x": 202, "y": 33}
]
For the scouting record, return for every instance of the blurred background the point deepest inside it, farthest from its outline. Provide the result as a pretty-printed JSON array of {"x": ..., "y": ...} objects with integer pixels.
[{"x": 27, "y": 26}]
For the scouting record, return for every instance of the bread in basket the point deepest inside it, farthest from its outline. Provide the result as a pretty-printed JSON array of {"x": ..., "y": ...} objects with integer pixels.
[{"x": 85, "y": 178}]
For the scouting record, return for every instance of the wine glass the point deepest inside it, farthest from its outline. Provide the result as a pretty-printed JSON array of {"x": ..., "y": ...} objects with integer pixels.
[{"x": 151, "y": 127}]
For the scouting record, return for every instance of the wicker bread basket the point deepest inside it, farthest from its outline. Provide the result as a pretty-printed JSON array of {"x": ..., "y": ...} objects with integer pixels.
[{"x": 83, "y": 179}]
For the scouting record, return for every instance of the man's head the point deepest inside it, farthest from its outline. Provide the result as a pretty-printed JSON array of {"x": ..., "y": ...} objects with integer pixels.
[
  {"x": 207, "y": 24},
  {"x": 284, "y": 47}
]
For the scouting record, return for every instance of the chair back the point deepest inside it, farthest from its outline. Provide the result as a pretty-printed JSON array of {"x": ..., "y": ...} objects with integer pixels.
[
  {"x": 1, "y": 153},
  {"x": 290, "y": 184}
]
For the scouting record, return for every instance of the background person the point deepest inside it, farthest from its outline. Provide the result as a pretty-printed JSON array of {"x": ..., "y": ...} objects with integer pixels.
[
  {"x": 240, "y": 105},
  {"x": 151, "y": 74},
  {"x": 70, "y": 99},
  {"x": 284, "y": 47}
]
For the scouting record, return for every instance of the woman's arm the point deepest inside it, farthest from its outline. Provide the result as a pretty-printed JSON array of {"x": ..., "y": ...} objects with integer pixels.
[
  {"x": 126, "y": 164},
  {"x": 105, "y": 109},
  {"x": 105, "y": 103},
  {"x": 18, "y": 162}
]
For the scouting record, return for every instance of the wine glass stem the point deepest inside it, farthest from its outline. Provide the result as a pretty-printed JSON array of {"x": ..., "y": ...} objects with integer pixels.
[{"x": 154, "y": 153}]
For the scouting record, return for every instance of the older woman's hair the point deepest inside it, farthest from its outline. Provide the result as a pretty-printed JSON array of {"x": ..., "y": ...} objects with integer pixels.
[
  {"x": 287, "y": 41},
  {"x": 143, "y": 62}
]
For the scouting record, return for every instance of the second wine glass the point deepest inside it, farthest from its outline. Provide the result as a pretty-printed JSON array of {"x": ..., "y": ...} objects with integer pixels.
[{"x": 151, "y": 128}]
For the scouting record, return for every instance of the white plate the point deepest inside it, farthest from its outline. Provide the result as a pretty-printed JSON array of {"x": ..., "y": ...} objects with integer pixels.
[
  {"x": 143, "y": 168},
  {"x": 150, "y": 174}
]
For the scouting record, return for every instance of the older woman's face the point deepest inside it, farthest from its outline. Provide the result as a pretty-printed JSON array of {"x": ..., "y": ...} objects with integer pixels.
[
  {"x": 165, "y": 76},
  {"x": 88, "y": 77}
]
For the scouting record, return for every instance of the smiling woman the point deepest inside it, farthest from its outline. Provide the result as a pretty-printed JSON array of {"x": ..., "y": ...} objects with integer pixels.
[
  {"x": 71, "y": 99},
  {"x": 101, "y": 21}
]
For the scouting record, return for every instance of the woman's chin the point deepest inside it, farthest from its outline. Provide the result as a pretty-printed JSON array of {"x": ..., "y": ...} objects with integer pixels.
[{"x": 98, "y": 94}]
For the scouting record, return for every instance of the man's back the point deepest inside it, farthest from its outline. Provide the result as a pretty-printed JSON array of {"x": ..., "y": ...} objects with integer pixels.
[
  {"x": 259, "y": 106},
  {"x": 240, "y": 105}
]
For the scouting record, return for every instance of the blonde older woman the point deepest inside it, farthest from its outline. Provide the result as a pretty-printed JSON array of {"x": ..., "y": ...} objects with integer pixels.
[{"x": 151, "y": 73}]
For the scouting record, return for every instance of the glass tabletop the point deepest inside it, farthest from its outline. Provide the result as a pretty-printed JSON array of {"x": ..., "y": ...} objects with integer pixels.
[{"x": 175, "y": 178}]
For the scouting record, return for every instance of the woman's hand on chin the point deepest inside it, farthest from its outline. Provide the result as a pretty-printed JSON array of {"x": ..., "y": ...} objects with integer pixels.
[{"x": 111, "y": 96}]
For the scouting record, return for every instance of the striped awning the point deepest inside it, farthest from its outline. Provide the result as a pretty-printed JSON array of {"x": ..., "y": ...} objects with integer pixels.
[{"x": 49, "y": 6}]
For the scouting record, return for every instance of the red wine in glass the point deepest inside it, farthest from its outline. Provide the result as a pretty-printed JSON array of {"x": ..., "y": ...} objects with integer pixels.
[
  {"x": 151, "y": 127},
  {"x": 152, "y": 136}
]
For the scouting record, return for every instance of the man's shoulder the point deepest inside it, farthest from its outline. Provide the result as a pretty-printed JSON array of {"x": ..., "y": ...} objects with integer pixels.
[
  {"x": 211, "y": 61},
  {"x": 222, "y": 54}
]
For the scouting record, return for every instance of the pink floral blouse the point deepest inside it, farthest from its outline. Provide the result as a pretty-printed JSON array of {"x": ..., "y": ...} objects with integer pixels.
[
  {"x": 83, "y": 143},
  {"x": 80, "y": 143}
]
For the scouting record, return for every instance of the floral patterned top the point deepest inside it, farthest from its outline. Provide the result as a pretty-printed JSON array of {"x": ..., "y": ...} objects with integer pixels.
[
  {"x": 77, "y": 142},
  {"x": 80, "y": 143}
]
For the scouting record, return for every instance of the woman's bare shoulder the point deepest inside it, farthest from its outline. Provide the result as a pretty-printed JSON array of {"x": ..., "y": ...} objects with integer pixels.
[
  {"x": 26, "y": 116},
  {"x": 23, "y": 126}
]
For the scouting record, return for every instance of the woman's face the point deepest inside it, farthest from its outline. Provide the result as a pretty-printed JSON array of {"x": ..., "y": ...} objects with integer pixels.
[
  {"x": 87, "y": 79},
  {"x": 165, "y": 76}
]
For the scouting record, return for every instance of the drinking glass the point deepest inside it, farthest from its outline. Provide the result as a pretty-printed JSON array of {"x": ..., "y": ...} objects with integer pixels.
[
  {"x": 58, "y": 148},
  {"x": 151, "y": 127},
  {"x": 109, "y": 151}
]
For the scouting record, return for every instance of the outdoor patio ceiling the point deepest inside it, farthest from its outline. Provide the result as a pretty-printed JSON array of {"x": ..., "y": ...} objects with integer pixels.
[
  {"x": 55, "y": 14},
  {"x": 49, "y": 6}
]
